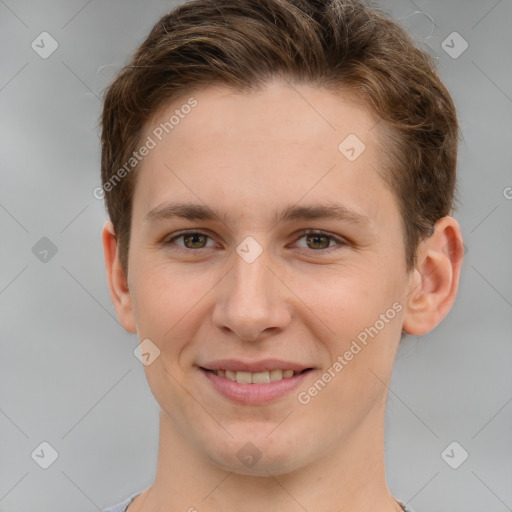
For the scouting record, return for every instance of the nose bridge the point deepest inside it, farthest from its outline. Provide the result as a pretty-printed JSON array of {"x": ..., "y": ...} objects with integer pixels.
[
  {"x": 251, "y": 299},
  {"x": 251, "y": 280}
]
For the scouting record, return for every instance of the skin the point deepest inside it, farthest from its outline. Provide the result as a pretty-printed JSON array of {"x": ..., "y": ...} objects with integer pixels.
[{"x": 250, "y": 155}]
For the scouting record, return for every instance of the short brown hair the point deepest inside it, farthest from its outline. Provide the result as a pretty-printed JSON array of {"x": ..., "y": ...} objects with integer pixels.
[{"x": 337, "y": 44}]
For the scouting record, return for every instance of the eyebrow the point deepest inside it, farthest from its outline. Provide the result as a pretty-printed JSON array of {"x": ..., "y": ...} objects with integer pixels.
[{"x": 195, "y": 211}]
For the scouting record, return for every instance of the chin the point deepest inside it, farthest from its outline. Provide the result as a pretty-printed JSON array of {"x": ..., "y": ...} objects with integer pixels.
[{"x": 257, "y": 455}]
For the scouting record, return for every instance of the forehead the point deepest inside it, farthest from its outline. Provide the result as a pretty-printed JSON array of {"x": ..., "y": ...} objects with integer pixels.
[
  {"x": 282, "y": 142},
  {"x": 290, "y": 114}
]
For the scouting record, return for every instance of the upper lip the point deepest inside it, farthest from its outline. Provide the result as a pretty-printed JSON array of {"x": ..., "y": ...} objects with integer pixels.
[{"x": 236, "y": 365}]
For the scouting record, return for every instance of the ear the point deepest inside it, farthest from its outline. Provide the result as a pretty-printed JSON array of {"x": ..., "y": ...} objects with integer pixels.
[
  {"x": 435, "y": 280},
  {"x": 117, "y": 280}
]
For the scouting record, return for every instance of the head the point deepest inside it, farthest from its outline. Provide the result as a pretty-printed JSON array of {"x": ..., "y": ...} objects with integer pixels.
[{"x": 249, "y": 108}]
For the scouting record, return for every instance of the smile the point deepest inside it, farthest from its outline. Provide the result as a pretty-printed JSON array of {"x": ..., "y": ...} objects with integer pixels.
[
  {"x": 252, "y": 388},
  {"x": 263, "y": 377}
]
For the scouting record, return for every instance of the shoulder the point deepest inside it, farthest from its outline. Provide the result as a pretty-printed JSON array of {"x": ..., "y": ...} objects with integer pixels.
[
  {"x": 121, "y": 507},
  {"x": 404, "y": 506}
]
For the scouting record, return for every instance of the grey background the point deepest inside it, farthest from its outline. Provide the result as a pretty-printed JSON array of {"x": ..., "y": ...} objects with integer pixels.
[{"x": 68, "y": 375}]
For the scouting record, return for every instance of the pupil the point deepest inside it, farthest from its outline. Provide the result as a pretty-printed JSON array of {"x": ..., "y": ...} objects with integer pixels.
[
  {"x": 194, "y": 236},
  {"x": 314, "y": 239}
]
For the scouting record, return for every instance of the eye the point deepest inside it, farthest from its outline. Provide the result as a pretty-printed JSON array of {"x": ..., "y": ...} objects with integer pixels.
[
  {"x": 191, "y": 240},
  {"x": 320, "y": 241}
]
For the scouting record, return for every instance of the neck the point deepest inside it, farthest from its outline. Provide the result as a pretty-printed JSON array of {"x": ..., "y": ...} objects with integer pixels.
[{"x": 348, "y": 478}]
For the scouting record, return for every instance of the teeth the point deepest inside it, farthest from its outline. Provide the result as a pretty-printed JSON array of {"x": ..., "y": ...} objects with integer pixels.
[
  {"x": 255, "y": 378},
  {"x": 244, "y": 377},
  {"x": 275, "y": 375},
  {"x": 260, "y": 377}
]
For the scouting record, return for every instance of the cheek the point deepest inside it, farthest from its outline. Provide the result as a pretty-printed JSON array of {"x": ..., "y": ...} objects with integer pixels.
[
  {"x": 346, "y": 297},
  {"x": 357, "y": 312},
  {"x": 162, "y": 296}
]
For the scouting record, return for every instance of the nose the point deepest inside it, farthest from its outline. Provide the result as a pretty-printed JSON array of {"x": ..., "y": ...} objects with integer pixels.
[{"x": 252, "y": 301}]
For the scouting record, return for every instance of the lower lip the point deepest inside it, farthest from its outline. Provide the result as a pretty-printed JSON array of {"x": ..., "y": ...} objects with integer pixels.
[{"x": 255, "y": 393}]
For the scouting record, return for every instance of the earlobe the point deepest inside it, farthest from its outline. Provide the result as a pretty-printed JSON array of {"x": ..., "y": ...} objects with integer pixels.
[
  {"x": 117, "y": 279},
  {"x": 434, "y": 283}
]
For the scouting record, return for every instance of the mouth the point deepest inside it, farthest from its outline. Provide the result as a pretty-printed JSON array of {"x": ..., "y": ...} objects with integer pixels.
[
  {"x": 254, "y": 383},
  {"x": 263, "y": 377}
]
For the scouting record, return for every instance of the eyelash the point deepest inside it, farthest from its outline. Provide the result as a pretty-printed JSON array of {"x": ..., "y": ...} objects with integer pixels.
[{"x": 340, "y": 241}]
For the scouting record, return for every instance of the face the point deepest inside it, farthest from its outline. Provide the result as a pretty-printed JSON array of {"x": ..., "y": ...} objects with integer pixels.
[{"x": 284, "y": 253}]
